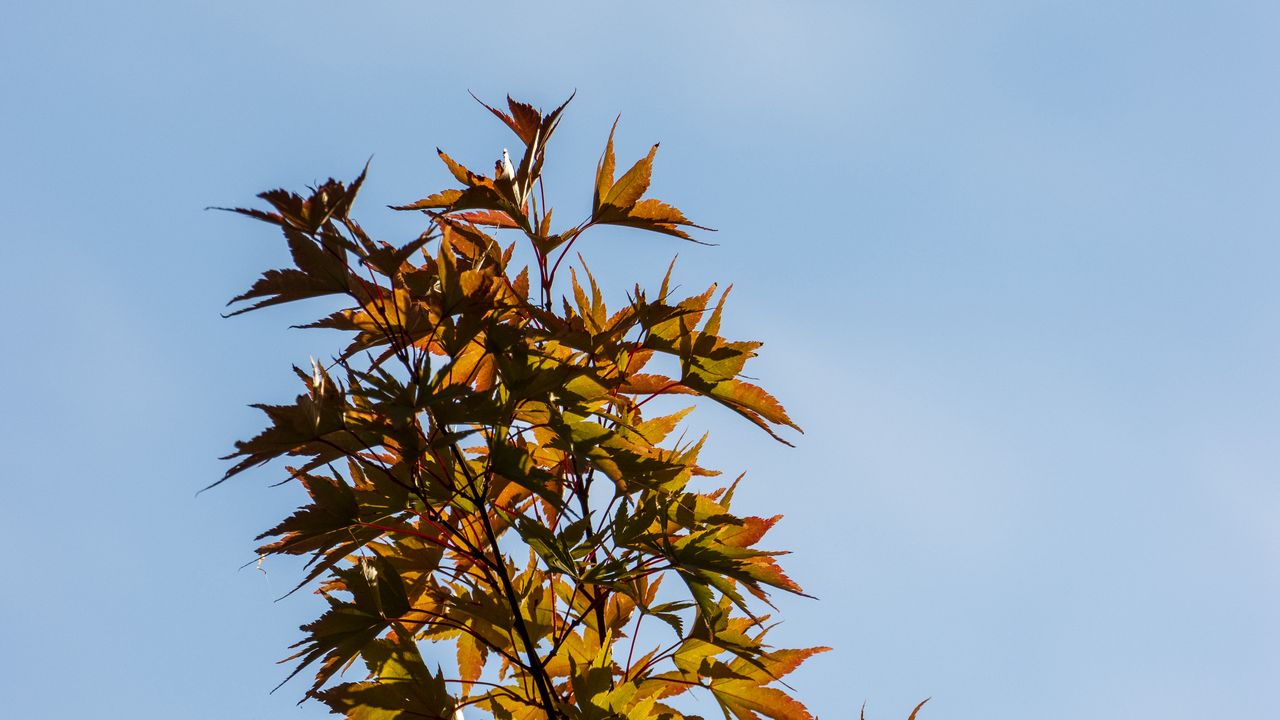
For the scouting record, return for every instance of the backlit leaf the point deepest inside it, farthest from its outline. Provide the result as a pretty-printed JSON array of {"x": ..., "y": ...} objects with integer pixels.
[
  {"x": 604, "y": 172},
  {"x": 631, "y": 186},
  {"x": 490, "y": 471}
]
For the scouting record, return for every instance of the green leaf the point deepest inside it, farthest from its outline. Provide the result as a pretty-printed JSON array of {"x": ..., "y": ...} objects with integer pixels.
[
  {"x": 557, "y": 556},
  {"x": 400, "y": 687},
  {"x": 317, "y": 526},
  {"x": 338, "y": 636}
]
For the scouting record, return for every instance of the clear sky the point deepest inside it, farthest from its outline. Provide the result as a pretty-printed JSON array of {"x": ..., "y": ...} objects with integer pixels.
[{"x": 1015, "y": 265}]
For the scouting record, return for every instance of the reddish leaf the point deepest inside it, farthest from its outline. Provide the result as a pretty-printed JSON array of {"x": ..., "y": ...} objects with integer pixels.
[
  {"x": 522, "y": 132},
  {"x": 526, "y": 121},
  {"x": 442, "y": 199},
  {"x": 488, "y": 218}
]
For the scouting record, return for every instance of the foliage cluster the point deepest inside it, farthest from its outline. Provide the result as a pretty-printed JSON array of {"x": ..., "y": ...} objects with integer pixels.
[{"x": 482, "y": 474}]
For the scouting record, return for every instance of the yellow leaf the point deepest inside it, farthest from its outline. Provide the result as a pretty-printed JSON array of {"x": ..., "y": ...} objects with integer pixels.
[
  {"x": 464, "y": 176},
  {"x": 745, "y": 700}
]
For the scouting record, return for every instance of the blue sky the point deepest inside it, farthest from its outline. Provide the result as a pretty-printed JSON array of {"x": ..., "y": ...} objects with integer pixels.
[{"x": 1015, "y": 265}]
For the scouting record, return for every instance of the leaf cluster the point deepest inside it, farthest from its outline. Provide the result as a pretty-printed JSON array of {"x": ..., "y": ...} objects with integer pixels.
[{"x": 483, "y": 473}]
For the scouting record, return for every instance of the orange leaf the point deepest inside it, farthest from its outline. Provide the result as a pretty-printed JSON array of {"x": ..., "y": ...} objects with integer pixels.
[
  {"x": 464, "y": 176},
  {"x": 604, "y": 171},
  {"x": 774, "y": 665},
  {"x": 658, "y": 211},
  {"x": 753, "y": 402},
  {"x": 749, "y": 532},
  {"x": 652, "y": 215},
  {"x": 442, "y": 199},
  {"x": 631, "y": 186},
  {"x": 645, "y": 384},
  {"x": 766, "y": 570},
  {"x": 471, "y": 657}
]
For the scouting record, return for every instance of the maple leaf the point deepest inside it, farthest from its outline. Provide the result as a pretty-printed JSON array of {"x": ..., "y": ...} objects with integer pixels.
[
  {"x": 400, "y": 686},
  {"x": 486, "y": 471},
  {"x": 619, "y": 202}
]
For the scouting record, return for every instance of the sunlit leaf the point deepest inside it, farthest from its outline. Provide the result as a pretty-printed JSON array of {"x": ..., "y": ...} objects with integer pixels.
[
  {"x": 629, "y": 188},
  {"x": 604, "y": 172},
  {"x": 493, "y": 462}
]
